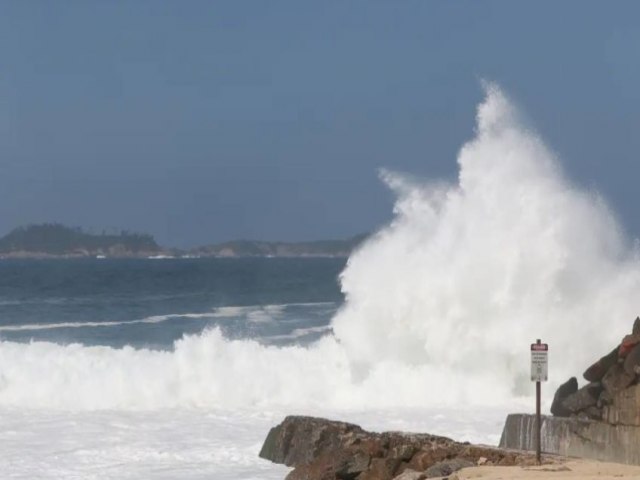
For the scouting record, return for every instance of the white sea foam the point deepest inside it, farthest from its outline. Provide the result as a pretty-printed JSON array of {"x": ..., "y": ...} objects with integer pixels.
[
  {"x": 186, "y": 444},
  {"x": 302, "y": 332},
  {"x": 52, "y": 326},
  {"x": 258, "y": 311},
  {"x": 440, "y": 306}
]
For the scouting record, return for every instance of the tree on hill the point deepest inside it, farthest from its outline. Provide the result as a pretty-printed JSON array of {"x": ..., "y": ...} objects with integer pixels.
[{"x": 57, "y": 239}]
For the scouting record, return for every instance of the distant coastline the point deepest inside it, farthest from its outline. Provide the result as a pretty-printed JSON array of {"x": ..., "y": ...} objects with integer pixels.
[{"x": 54, "y": 240}]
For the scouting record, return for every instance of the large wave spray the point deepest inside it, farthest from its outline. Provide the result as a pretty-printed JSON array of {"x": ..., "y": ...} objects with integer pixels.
[{"x": 441, "y": 305}]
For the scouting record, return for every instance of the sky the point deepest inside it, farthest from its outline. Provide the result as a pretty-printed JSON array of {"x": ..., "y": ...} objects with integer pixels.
[{"x": 205, "y": 121}]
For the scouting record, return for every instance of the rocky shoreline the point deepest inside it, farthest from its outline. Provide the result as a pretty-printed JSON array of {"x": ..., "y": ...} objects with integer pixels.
[
  {"x": 320, "y": 449},
  {"x": 612, "y": 394}
]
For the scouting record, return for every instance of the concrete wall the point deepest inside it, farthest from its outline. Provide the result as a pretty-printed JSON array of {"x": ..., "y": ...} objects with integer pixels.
[
  {"x": 574, "y": 438},
  {"x": 625, "y": 409}
]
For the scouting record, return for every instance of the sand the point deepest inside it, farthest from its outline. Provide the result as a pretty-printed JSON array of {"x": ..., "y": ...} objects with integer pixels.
[{"x": 574, "y": 469}]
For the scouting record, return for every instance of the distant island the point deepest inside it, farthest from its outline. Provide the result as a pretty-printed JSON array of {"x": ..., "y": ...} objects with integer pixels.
[
  {"x": 249, "y": 248},
  {"x": 53, "y": 240}
]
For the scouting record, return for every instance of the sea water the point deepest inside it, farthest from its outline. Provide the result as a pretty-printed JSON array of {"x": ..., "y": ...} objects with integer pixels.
[{"x": 176, "y": 369}]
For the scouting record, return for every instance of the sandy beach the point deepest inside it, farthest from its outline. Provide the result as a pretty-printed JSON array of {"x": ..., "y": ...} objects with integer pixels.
[{"x": 574, "y": 468}]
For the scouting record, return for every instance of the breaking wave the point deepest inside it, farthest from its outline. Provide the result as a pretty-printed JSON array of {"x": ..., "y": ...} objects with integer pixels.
[{"x": 441, "y": 305}]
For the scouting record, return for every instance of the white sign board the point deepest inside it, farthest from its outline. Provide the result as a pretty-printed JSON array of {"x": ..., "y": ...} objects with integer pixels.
[{"x": 539, "y": 363}]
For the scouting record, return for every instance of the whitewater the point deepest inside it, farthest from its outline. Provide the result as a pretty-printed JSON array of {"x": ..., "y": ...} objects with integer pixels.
[{"x": 439, "y": 309}]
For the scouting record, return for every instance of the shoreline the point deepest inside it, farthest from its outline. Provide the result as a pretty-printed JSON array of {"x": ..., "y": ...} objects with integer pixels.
[{"x": 575, "y": 468}]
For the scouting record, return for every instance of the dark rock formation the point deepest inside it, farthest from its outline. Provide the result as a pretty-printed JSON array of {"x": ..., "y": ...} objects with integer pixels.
[
  {"x": 447, "y": 467},
  {"x": 326, "y": 450},
  {"x": 605, "y": 397},
  {"x": 584, "y": 398},
  {"x": 632, "y": 361},
  {"x": 617, "y": 379},
  {"x": 598, "y": 370},
  {"x": 568, "y": 388}
]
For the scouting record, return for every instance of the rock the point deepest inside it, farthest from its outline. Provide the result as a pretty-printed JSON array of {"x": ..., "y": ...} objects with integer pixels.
[
  {"x": 482, "y": 461},
  {"x": 429, "y": 456},
  {"x": 598, "y": 370},
  {"x": 564, "y": 390},
  {"x": 447, "y": 467},
  {"x": 627, "y": 344},
  {"x": 584, "y": 398},
  {"x": 616, "y": 380},
  {"x": 325, "y": 450},
  {"x": 353, "y": 465},
  {"x": 636, "y": 327},
  {"x": 409, "y": 474},
  {"x": 632, "y": 361},
  {"x": 591, "y": 413},
  {"x": 299, "y": 440},
  {"x": 403, "y": 452},
  {"x": 381, "y": 469},
  {"x": 604, "y": 399}
]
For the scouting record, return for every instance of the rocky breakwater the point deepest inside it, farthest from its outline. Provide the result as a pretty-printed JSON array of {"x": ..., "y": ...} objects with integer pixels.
[
  {"x": 320, "y": 449},
  {"x": 612, "y": 394}
]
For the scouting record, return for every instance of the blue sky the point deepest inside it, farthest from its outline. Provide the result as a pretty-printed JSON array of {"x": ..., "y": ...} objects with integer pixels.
[{"x": 206, "y": 121}]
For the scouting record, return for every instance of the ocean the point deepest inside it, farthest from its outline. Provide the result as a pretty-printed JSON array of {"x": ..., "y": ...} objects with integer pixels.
[
  {"x": 177, "y": 368},
  {"x": 162, "y": 368}
]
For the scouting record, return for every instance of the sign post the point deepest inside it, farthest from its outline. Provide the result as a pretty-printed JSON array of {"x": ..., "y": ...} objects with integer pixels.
[{"x": 539, "y": 373}]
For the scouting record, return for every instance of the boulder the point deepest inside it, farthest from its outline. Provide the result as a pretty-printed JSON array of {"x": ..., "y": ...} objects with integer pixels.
[
  {"x": 409, "y": 474},
  {"x": 299, "y": 440},
  {"x": 429, "y": 456},
  {"x": 584, "y": 398},
  {"x": 616, "y": 379},
  {"x": 627, "y": 344},
  {"x": 598, "y": 370},
  {"x": 447, "y": 467},
  {"x": 564, "y": 390},
  {"x": 632, "y": 361},
  {"x": 381, "y": 469},
  {"x": 591, "y": 413}
]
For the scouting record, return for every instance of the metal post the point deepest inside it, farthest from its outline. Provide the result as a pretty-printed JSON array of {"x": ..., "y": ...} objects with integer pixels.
[{"x": 538, "y": 420}]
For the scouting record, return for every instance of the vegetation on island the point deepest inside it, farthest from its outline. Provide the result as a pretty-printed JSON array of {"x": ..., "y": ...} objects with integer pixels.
[
  {"x": 56, "y": 240},
  {"x": 249, "y": 248}
]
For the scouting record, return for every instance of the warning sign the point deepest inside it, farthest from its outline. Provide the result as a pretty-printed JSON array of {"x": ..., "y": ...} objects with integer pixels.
[{"x": 539, "y": 362}]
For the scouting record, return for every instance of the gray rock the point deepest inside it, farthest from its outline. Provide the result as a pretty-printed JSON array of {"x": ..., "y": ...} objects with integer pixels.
[
  {"x": 584, "y": 398},
  {"x": 632, "y": 361},
  {"x": 604, "y": 399},
  {"x": 597, "y": 371},
  {"x": 636, "y": 327},
  {"x": 591, "y": 413},
  {"x": 409, "y": 474},
  {"x": 403, "y": 452},
  {"x": 617, "y": 379},
  {"x": 447, "y": 467}
]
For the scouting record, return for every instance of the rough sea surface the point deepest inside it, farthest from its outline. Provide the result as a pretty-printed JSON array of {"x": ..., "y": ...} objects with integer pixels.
[{"x": 176, "y": 369}]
